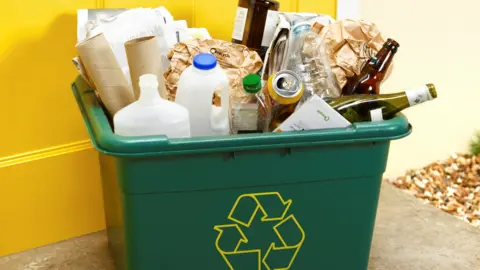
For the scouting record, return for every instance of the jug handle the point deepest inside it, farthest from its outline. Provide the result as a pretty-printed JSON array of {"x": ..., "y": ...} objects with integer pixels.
[{"x": 216, "y": 117}]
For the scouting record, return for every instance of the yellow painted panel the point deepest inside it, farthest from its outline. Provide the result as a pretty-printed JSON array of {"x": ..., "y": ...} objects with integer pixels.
[
  {"x": 49, "y": 200},
  {"x": 216, "y": 16},
  {"x": 323, "y": 7},
  {"x": 180, "y": 9},
  {"x": 36, "y": 47}
]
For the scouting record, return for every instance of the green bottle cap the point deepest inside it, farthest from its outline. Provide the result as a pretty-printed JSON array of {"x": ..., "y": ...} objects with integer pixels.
[{"x": 252, "y": 84}]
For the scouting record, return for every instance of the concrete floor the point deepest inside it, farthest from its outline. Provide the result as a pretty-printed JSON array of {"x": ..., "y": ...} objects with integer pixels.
[{"x": 409, "y": 235}]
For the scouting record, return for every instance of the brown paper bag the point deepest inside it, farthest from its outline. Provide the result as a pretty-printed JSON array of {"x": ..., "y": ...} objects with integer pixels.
[
  {"x": 105, "y": 73},
  {"x": 350, "y": 44},
  {"x": 236, "y": 60},
  {"x": 143, "y": 56}
]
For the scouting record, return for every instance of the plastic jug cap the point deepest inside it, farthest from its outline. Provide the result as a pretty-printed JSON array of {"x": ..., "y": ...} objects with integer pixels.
[
  {"x": 252, "y": 83},
  {"x": 205, "y": 61},
  {"x": 148, "y": 80}
]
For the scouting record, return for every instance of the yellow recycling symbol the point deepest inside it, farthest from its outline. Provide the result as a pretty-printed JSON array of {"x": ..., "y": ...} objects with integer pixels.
[{"x": 273, "y": 208}]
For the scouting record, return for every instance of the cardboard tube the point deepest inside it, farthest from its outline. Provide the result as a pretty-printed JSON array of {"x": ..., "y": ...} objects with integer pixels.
[
  {"x": 105, "y": 73},
  {"x": 144, "y": 57}
]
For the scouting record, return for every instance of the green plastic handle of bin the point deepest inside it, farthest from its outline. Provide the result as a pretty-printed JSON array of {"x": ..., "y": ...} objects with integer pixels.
[{"x": 106, "y": 141}]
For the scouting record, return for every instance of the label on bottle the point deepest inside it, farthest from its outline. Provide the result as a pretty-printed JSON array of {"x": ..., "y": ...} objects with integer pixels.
[
  {"x": 245, "y": 117},
  {"x": 240, "y": 22},
  {"x": 418, "y": 95},
  {"x": 270, "y": 27},
  {"x": 376, "y": 115}
]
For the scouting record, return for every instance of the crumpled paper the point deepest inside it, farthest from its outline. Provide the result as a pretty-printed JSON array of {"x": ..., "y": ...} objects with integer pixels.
[
  {"x": 236, "y": 60},
  {"x": 350, "y": 44}
]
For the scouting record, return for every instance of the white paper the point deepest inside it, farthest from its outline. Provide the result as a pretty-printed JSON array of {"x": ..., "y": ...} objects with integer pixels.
[
  {"x": 313, "y": 115},
  {"x": 122, "y": 25},
  {"x": 181, "y": 31},
  {"x": 270, "y": 27},
  {"x": 87, "y": 19},
  {"x": 164, "y": 14}
]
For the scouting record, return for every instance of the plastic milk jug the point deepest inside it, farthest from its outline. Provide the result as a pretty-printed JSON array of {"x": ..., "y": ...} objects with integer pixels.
[{"x": 196, "y": 87}]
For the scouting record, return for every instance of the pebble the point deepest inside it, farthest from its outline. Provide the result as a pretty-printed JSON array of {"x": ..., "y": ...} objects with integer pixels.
[{"x": 455, "y": 183}]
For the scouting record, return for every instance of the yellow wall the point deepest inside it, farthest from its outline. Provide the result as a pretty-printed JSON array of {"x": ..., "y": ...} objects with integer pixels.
[
  {"x": 49, "y": 183},
  {"x": 49, "y": 176},
  {"x": 438, "y": 43}
]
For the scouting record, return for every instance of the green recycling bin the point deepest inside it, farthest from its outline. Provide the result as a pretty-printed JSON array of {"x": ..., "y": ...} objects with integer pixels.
[{"x": 297, "y": 200}]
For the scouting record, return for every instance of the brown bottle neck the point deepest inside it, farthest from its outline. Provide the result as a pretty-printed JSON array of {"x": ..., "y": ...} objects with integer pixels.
[
  {"x": 268, "y": 4},
  {"x": 384, "y": 62}
]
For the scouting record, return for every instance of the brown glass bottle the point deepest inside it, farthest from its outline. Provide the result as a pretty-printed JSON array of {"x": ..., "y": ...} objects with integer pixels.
[
  {"x": 255, "y": 24},
  {"x": 372, "y": 75}
]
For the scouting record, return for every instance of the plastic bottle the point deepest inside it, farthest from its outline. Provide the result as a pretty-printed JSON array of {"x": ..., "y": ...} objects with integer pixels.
[
  {"x": 252, "y": 116},
  {"x": 196, "y": 87},
  {"x": 152, "y": 115},
  {"x": 309, "y": 60}
]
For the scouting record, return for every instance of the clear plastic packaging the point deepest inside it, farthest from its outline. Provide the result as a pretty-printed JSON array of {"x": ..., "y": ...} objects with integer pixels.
[{"x": 308, "y": 58}]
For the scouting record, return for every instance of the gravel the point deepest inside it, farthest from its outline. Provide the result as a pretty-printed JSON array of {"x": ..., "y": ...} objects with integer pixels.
[{"x": 452, "y": 185}]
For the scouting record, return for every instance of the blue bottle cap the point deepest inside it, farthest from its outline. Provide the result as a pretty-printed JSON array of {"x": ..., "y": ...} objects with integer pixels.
[{"x": 205, "y": 61}]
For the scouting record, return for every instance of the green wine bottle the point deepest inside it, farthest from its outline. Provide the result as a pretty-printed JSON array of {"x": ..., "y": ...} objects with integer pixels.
[{"x": 362, "y": 108}]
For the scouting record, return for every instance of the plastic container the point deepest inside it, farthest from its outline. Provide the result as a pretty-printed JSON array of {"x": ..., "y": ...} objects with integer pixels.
[
  {"x": 308, "y": 58},
  {"x": 251, "y": 116},
  {"x": 152, "y": 115},
  {"x": 196, "y": 87},
  {"x": 293, "y": 200}
]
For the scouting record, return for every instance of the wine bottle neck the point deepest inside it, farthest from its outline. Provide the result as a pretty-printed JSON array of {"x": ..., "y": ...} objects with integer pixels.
[
  {"x": 404, "y": 100},
  {"x": 418, "y": 95}
]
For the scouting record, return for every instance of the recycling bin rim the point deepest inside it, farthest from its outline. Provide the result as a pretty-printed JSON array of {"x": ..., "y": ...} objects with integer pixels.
[{"x": 105, "y": 141}]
